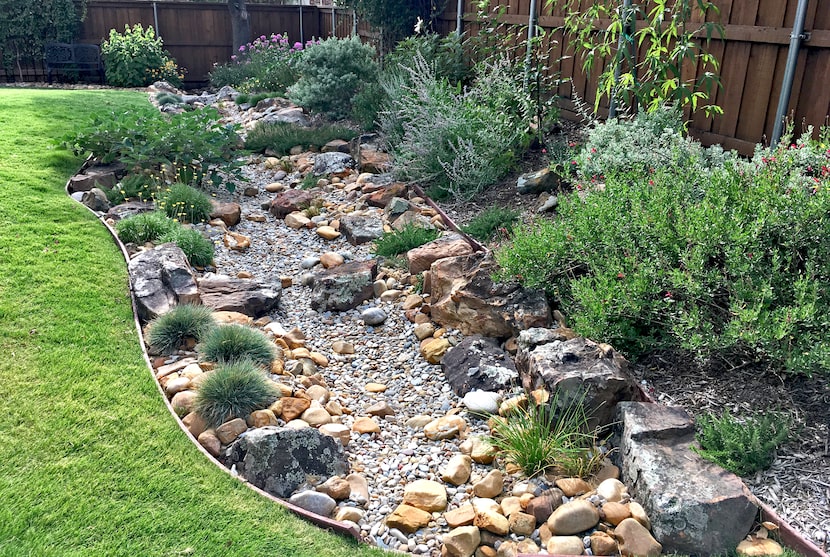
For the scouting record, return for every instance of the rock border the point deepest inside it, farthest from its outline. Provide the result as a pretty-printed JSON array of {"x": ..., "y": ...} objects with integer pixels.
[{"x": 788, "y": 535}]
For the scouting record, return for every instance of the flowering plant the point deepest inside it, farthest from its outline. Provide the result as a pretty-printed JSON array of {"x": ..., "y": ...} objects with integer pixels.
[{"x": 265, "y": 64}]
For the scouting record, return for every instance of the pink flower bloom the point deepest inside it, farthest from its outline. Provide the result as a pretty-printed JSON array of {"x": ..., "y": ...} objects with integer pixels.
[
  {"x": 298, "y": 46},
  {"x": 242, "y": 48}
]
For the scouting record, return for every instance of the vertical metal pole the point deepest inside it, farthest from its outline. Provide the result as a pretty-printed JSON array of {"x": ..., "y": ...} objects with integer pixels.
[
  {"x": 156, "y": 19},
  {"x": 302, "y": 37},
  {"x": 531, "y": 32},
  {"x": 789, "y": 72},
  {"x": 623, "y": 45},
  {"x": 354, "y": 23},
  {"x": 333, "y": 22},
  {"x": 459, "y": 18}
]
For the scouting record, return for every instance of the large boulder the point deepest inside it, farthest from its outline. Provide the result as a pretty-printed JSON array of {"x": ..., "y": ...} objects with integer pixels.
[
  {"x": 449, "y": 245},
  {"x": 229, "y": 213},
  {"x": 478, "y": 363},
  {"x": 537, "y": 182},
  {"x": 695, "y": 506},
  {"x": 361, "y": 227},
  {"x": 465, "y": 297},
  {"x": 333, "y": 164},
  {"x": 103, "y": 176},
  {"x": 289, "y": 201},
  {"x": 129, "y": 209},
  {"x": 162, "y": 279},
  {"x": 251, "y": 297},
  {"x": 278, "y": 459},
  {"x": 385, "y": 193},
  {"x": 96, "y": 200},
  {"x": 344, "y": 287},
  {"x": 575, "y": 366}
]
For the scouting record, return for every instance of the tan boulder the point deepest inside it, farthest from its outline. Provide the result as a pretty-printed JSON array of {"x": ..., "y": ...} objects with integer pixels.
[
  {"x": 573, "y": 517},
  {"x": 462, "y": 541},
  {"x": 458, "y": 469},
  {"x": 335, "y": 487},
  {"x": 421, "y": 258},
  {"x": 375, "y": 387},
  {"x": 316, "y": 417},
  {"x": 445, "y": 427},
  {"x": 182, "y": 402},
  {"x": 462, "y": 516},
  {"x": 565, "y": 545},
  {"x": 230, "y": 430},
  {"x": 611, "y": 490},
  {"x": 351, "y": 514},
  {"x": 360, "y": 487},
  {"x": 195, "y": 424},
  {"x": 407, "y": 518},
  {"x": 522, "y": 524},
  {"x": 573, "y": 486},
  {"x": 296, "y": 220},
  {"x": 318, "y": 393},
  {"x": 757, "y": 547},
  {"x": 634, "y": 539},
  {"x": 293, "y": 407},
  {"x": 331, "y": 259},
  {"x": 342, "y": 347},
  {"x": 424, "y": 330},
  {"x": 493, "y": 522},
  {"x": 510, "y": 505},
  {"x": 328, "y": 233},
  {"x": 426, "y": 495},
  {"x": 412, "y": 301},
  {"x": 210, "y": 442},
  {"x": 236, "y": 241},
  {"x": 638, "y": 513},
  {"x": 614, "y": 512},
  {"x": 261, "y": 418},
  {"x": 365, "y": 424},
  {"x": 338, "y": 431},
  {"x": 603, "y": 544},
  {"x": 490, "y": 486},
  {"x": 435, "y": 349},
  {"x": 481, "y": 451}
]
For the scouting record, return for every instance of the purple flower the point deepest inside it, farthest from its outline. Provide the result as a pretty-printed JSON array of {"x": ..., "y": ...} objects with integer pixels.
[
  {"x": 298, "y": 46},
  {"x": 242, "y": 48}
]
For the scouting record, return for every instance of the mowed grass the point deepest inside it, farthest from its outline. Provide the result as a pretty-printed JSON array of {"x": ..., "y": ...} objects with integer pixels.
[{"x": 91, "y": 462}]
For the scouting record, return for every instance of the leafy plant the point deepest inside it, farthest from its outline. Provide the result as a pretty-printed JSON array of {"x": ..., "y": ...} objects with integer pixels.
[
  {"x": 280, "y": 137},
  {"x": 186, "y": 147},
  {"x": 308, "y": 182},
  {"x": 185, "y": 203},
  {"x": 485, "y": 225},
  {"x": 169, "y": 331},
  {"x": 401, "y": 241},
  {"x": 137, "y": 58},
  {"x": 741, "y": 446},
  {"x": 397, "y": 19},
  {"x": 144, "y": 227},
  {"x": 674, "y": 33},
  {"x": 332, "y": 72},
  {"x": 265, "y": 64},
  {"x": 198, "y": 249},
  {"x": 234, "y": 390},
  {"x": 724, "y": 260},
  {"x": 133, "y": 186},
  {"x": 232, "y": 343},
  {"x": 542, "y": 437}
]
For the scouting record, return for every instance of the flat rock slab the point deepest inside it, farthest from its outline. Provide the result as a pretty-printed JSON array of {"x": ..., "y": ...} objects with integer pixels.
[
  {"x": 290, "y": 201},
  {"x": 277, "y": 459},
  {"x": 344, "y": 287},
  {"x": 478, "y": 363},
  {"x": 129, "y": 209},
  {"x": 361, "y": 227},
  {"x": 162, "y": 279},
  {"x": 450, "y": 245},
  {"x": 251, "y": 297},
  {"x": 695, "y": 506}
]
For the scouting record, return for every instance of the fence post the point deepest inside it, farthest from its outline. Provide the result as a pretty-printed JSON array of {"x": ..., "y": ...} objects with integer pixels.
[
  {"x": 333, "y": 22},
  {"x": 302, "y": 37},
  {"x": 531, "y": 32},
  {"x": 354, "y": 23},
  {"x": 156, "y": 19},
  {"x": 796, "y": 37},
  {"x": 459, "y": 18}
]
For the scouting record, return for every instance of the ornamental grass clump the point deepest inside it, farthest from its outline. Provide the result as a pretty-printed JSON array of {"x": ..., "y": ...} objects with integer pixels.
[
  {"x": 280, "y": 137},
  {"x": 234, "y": 390},
  {"x": 545, "y": 437},
  {"x": 486, "y": 224},
  {"x": 133, "y": 186},
  {"x": 168, "y": 332},
  {"x": 401, "y": 241},
  {"x": 742, "y": 446},
  {"x": 198, "y": 249},
  {"x": 185, "y": 203},
  {"x": 144, "y": 227},
  {"x": 232, "y": 343}
]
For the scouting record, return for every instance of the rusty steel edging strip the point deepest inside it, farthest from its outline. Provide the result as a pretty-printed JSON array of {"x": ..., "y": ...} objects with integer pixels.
[
  {"x": 475, "y": 244},
  {"x": 322, "y": 521}
]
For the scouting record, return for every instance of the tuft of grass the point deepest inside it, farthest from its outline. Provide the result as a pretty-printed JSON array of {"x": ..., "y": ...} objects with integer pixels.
[
  {"x": 485, "y": 225},
  {"x": 231, "y": 343},
  {"x": 169, "y": 331},
  {"x": 543, "y": 437},
  {"x": 197, "y": 248},
  {"x": 144, "y": 227},
  {"x": 742, "y": 446},
  {"x": 185, "y": 203},
  {"x": 106, "y": 470},
  {"x": 308, "y": 182},
  {"x": 234, "y": 390},
  {"x": 132, "y": 186},
  {"x": 280, "y": 137},
  {"x": 401, "y": 241}
]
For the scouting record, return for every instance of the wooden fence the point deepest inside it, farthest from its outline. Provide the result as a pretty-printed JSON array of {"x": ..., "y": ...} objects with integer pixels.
[{"x": 752, "y": 56}]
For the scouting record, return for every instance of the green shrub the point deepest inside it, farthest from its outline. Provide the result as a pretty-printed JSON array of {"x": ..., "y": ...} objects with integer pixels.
[
  {"x": 232, "y": 343},
  {"x": 265, "y": 64},
  {"x": 197, "y": 248},
  {"x": 185, "y": 204},
  {"x": 401, "y": 241},
  {"x": 137, "y": 58},
  {"x": 332, "y": 72},
  {"x": 485, "y": 225},
  {"x": 187, "y": 147},
  {"x": 144, "y": 227},
  {"x": 234, "y": 391},
  {"x": 542, "y": 437},
  {"x": 727, "y": 260},
  {"x": 169, "y": 331},
  {"x": 459, "y": 141},
  {"x": 133, "y": 186},
  {"x": 742, "y": 446},
  {"x": 280, "y": 137}
]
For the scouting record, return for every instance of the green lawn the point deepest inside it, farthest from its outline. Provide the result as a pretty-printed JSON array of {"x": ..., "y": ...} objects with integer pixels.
[{"x": 91, "y": 462}]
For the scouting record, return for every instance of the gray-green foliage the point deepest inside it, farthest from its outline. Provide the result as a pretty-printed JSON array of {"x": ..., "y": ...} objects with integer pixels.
[
  {"x": 331, "y": 73},
  {"x": 167, "y": 332},
  {"x": 233, "y": 343},
  {"x": 198, "y": 249},
  {"x": 742, "y": 446},
  {"x": 234, "y": 390},
  {"x": 485, "y": 225},
  {"x": 144, "y": 227},
  {"x": 401, "y": 241},
  {"x": 458, "y": 140},
  {"x": 185, "y": 203}
]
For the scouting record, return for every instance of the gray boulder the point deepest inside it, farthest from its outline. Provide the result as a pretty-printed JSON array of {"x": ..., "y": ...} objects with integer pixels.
[
  {"x": 278, "y": 459},
  {"x": 103, "y": 176},
  {"x": 575, "y": 366},
  {"x": 162, "y": 279},
  {"x": 465, "y": 297},
  {"x": 290, "y": 115},
  {"x": 314, "y": 501},
  {"x": 96, "y": 200},
  {"x": 247, "y": 296},
  {"x": 361, "y": 227},
  {"x": 129, "y": 209},
  {"x": 537, "y": 182},
  {"x": 695, "y": 506},
  {"x": 335, "y": 164},
  {"x": 344, "y": 287},
  {"x": 478, "y": 363}
]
